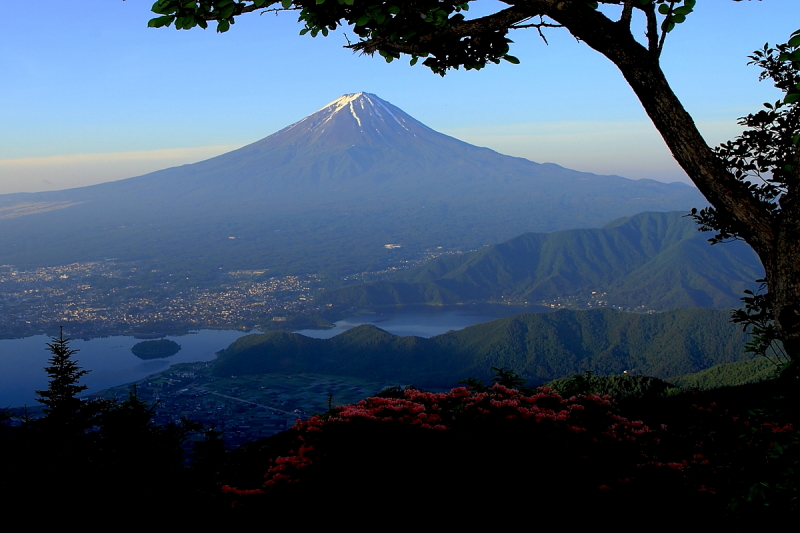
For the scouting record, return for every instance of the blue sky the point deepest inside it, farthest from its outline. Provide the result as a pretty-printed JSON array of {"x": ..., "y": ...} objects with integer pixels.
[{"x": 88, "y": 93}]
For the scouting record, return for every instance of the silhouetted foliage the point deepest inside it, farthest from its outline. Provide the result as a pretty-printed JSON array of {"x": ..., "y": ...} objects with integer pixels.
[
  {"x": 765, "y": 161},
  {"x": 63, "y": 409}
]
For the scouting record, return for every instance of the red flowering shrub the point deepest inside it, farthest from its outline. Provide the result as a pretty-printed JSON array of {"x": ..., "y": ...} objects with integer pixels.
[
  {"x": 579, "y": 423},
  {"x": 480, "y": 447}
]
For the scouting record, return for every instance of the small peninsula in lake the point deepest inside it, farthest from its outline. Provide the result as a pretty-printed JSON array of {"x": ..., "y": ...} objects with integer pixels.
[{"x": 155, "y": 349}]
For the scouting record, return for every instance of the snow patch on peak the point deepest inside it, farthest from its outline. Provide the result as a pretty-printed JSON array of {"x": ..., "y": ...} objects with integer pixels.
[
  {"x": 341, "y": 102},
  {"x": 382, "y": 106},
  {"x": 360, "y": 106},
  {"x": 355, "y": 116}
]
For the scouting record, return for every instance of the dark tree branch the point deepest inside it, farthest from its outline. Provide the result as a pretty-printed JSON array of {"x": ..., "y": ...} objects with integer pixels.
[
  {"x": 498, "y": 22},
  {"x": 627, "y": 13},
  {"x": 652, "y": 28},
  {"x": 664, "y": 31},
  {"x": 538, "y": 26}
]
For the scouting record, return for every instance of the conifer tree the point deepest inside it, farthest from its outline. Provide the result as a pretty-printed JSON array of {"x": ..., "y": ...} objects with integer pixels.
[{"x": 60, "y": 398}]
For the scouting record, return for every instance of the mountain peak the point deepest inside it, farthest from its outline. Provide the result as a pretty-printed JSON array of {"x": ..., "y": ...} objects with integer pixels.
[
  {"x": 362, "y": 116},
  {"x": 360, "y": 105}
]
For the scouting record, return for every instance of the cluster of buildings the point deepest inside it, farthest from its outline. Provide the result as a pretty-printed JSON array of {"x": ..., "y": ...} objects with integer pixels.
[{"x": 102, "y": 298}]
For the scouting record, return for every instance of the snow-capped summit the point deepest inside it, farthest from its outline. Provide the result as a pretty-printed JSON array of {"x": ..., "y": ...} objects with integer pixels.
[
  {"x": 357, "y": 116},
  {"x": 362, "y": 104}
]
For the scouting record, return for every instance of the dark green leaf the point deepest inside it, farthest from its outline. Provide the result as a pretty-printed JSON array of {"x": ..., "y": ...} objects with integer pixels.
[
  {"x": 160, "y": 22},
  {"x": 511, "y": 59},
  {"x": 663, "y": 9},
  {"x": 223, "y": 26},
  {"x": 791, "y": 98},
  {"x": 185, "y": 22},
  {"x": 163, "y": 7},
  {"x": 677, "y": 19}
]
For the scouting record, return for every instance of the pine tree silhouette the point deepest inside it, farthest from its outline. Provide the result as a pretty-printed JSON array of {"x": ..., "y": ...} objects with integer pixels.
[{"x": 60, "y": 398}]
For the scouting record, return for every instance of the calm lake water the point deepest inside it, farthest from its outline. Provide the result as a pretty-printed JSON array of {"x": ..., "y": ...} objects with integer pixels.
[
  {"x": 111, "y": 362},
  {"x": 426, "y": 320}
]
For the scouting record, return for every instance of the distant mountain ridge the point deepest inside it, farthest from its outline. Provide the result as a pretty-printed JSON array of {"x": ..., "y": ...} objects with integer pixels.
[
  {"x": 540, "y": 347},
  {"x": 325, "y": 193},
  {"x": 653, "y": 261}
]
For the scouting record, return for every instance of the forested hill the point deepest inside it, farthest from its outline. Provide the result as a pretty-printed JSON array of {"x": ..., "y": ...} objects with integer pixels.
[
  {"x": 540, "y": 347},
  {"x": 651, "y": 260}
]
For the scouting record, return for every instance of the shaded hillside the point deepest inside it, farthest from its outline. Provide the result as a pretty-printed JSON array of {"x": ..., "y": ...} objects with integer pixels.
[
  {"x": 729, "y": 375},
  {"x": 324, "y": 194},
  {"x": 651, "y": 260},
  {"x": 540, "y": 347}
]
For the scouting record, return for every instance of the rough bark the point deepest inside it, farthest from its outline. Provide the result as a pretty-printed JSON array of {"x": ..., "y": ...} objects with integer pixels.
[{"x": 782, "y": 266}]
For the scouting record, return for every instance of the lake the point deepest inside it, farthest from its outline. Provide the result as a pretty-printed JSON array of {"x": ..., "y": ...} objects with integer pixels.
[
  {"x": 426, "y": 320},
  {"x": 111, "y": 362}
]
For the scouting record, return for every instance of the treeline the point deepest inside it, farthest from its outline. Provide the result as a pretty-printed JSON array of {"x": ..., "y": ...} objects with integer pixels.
[{"x": 540, "y": 347}]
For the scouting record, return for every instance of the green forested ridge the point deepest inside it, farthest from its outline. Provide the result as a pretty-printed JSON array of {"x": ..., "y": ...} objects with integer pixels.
[
  {"x": 651, "y": 260},
  {"x": 540, "y": 347},
  {"x": 729, "y": 374}
]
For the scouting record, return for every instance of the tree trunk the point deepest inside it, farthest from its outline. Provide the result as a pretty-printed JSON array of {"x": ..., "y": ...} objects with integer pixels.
[
  {"x": 776, "y": 240},
  {"x": 782, "y": 268}
]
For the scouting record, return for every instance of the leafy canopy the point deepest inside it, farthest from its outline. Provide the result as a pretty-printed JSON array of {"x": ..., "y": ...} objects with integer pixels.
[
  {"x": 436, "y": 30},
  {"x": 764, "y": 157}
]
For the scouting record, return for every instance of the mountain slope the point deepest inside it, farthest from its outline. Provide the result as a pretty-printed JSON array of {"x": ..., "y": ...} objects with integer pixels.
[
  {"x": 540, "y": 347},
  {"x": 651, "y": 260},
  {"x": 325, "y": 193}
]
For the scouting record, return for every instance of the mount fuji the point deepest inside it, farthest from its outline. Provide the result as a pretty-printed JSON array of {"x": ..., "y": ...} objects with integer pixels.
[{"x": 323, "y": 194}]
